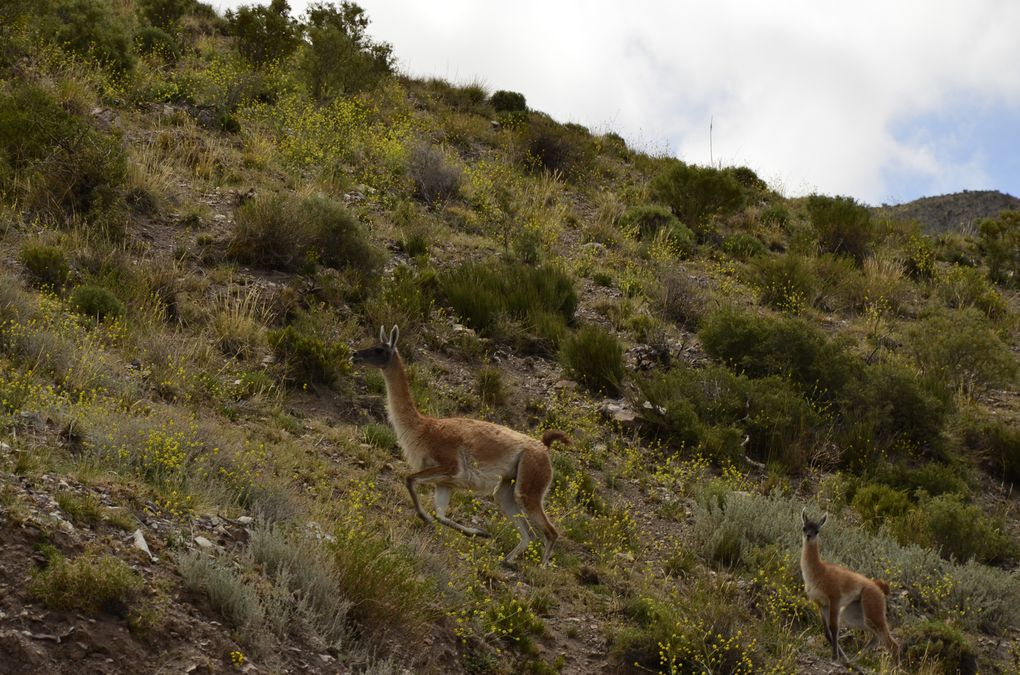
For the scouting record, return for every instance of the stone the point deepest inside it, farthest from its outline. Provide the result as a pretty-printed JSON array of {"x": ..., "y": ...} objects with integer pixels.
[{"x": 203, "y": 542}]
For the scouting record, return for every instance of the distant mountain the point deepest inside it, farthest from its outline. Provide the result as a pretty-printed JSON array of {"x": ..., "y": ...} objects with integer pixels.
[{"x": 956, "y": 212}]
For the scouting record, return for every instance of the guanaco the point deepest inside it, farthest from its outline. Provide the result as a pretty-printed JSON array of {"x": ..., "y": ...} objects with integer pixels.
[
  {"x": 843, "y": 594},
  {"x": 461, "y": 453}
]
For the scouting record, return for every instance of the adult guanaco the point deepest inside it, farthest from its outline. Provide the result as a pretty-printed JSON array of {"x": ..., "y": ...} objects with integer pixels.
[
  {"x": 842, "y": 594},
  {"x": 461, "y": 453}
]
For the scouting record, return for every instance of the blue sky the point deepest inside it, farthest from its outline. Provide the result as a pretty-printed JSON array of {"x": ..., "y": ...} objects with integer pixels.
[{"x": 882, "y": 101}]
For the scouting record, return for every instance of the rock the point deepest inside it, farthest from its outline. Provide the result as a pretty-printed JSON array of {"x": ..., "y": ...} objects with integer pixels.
[
  {"x": 203, "y": 542},
  {"x": 618, "y": 413},
  {"x": 141, "y": 544},
  {"x": 565, "y": 385},
  {"x": 245, "y": 520}
]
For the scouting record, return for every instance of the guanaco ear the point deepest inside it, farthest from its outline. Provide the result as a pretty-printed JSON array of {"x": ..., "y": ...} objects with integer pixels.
[
  {"x": 803, "y": 515},
  {"x": 382, "y": 334},
  {"x": 825, "y": 516},
  {"x": 394, "y": 334}
]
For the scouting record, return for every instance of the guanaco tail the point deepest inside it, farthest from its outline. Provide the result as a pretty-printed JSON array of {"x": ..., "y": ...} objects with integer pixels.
[{"x": 461, "y": 453}]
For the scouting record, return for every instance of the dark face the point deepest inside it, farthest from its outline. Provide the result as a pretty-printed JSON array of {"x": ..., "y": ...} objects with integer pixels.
[
  {"x": 378, "y": 356},
  {"x": 811, "y": 528}
]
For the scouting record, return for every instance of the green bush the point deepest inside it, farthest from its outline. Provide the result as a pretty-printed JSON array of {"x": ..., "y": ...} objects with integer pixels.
[
  {"x": 898, "y": 406},
  {"x": 489, "y": 387},
  {"x": 60, "y": 166},
  {"x": 1000, "y": 244},
  {"x": 647, "y": 220},
  {"x": 876, "y": 503},
  {"x": 920, "y": 262},
  {"x": 997, "y": 442},
  {"x": 307, "y": 358},
  {"x": 157, "y": 42},
  {"x": 962, "y": 287},
  {"x": 594, "y": 358},
  {"x": 341, "y": 59},
  {"x": 786, "y": 282},
  {"x": 90, "y": 583},
  {"x": 935, "y": 641},
  {"x": 283, "y": 232},
  {"x": 843, "y": 226},
  {"x": 96, "y": 302},
  {"x": 743, "y": 245},
  {"x": 541, "y": 299},
  {"x": 165, "y": 14},
  {"x": 726, "y": 415},
  {"x": 47, "y": 265},
  {"x": 961, "y": 349},
  {"x": 958, "y": 531},
  {"x": 264, "y": 34},
  {"x": 697, "y": 193},
  {"x": 787, "y": 347},
  {"x": 90, "y": 28},
  {"x": 842, "y": 286},
  {"x": 508, "y": 101}
]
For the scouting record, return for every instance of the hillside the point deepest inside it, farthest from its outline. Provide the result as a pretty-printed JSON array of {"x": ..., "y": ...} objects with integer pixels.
[
  {"x": 203, "y": 217},
  {"x": 960, "y": 212}
]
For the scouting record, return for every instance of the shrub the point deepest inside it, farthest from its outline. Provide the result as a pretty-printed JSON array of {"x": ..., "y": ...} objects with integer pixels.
[
  {"x": 165, "y": 14},
  {"x": 962, "y": 287},
  {"x": 341, "y": 59},
  {"x": 961, "y": 349},
  {"x": 842, "y": 286},
  {"x": 551, "y": 147},
  {"x": 380, "y": 435},
  {"x": 696, "y": 193},
  {"x": 786, "y": 282},
  {"x": 947, "y": 646},
  {"x": 157, "y": 42},
  {"x": 264, "y": 34},
  {"x": 594, "y": 358},
  {"x": 236, "y": 601},
  {"x": 435, "y": 181},
  {"x": 96, "y": 302},
  {"x": 788, "y": 347},
  {"x": 489, "y": 387},
  {"x": 681, "y": 299},
  {"x": 647, "y": 220},
  {"x": 931, "y": 478},
  {"x": 508, "y": 101},
  {"x": 90, "y": 583},
  {"x": 743, "y": 245},
  {"x": 843, "y": 226},
  {"x": 1000, "y": 244},
  {"x": 47, "y": 265},
  {"x": 92, "y": 29},
  {"x": 959, "y": 531},
  {"x": 722, "y": 413},
  {"x": 542, "y": 299},
  {"x": 999, "y": 444},
  {"x": 306, "y": 357},
  {"x": 920, "y": 262},
  {"x": 897, "y": 406},
  {"x": 283, "y": 232},
  {"x": 61, "y": 166},
  {"x": 877, "y": 503}
]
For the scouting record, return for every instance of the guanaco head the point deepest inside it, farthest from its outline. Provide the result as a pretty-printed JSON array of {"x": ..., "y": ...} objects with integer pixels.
[
  {"x": 811, "y": 528},
  {"x": 381, "y": 354}
]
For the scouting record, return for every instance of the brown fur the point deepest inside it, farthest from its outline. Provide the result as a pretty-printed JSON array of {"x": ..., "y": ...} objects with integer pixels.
[
  {"x": 461, "y": 453},
  {"x": 841, "y": 593}
]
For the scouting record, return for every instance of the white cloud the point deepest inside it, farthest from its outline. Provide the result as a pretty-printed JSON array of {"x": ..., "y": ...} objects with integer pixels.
[{"x": 806, "y": 92}]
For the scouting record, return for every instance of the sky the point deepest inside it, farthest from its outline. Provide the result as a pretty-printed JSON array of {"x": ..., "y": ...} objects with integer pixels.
[{"x": 884, "y": 101}]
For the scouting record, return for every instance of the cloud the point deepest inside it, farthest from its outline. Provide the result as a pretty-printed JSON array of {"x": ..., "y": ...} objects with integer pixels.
[{"x": 812, "y": 94}]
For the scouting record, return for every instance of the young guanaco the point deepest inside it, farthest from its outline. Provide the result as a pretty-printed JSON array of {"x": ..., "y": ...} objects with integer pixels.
[
  {"x": 843, "y": 595},
  {"x": 460, "y": 453}
]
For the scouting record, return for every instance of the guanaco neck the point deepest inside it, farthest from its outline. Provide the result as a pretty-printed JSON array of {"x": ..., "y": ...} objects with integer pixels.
[
  {"x": 810, "y": 557},
  {"x": 399, "y": 403}
]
